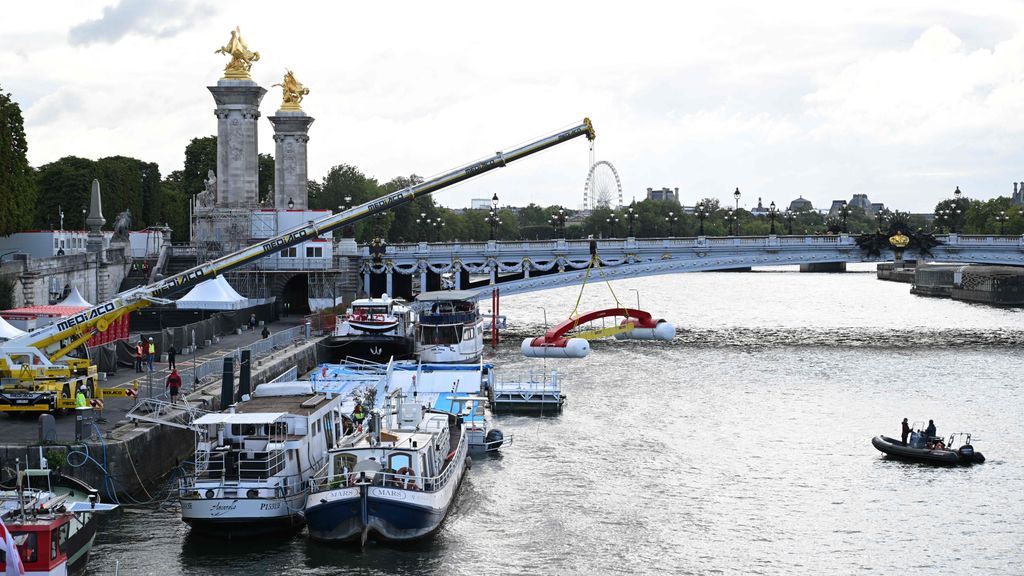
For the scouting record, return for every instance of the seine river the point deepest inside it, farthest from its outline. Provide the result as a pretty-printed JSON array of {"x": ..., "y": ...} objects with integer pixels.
[{"x": 743, "y": 447}]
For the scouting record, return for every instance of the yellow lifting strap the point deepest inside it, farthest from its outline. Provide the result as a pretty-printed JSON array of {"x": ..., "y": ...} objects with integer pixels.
[{"x": 601, "y": 333}]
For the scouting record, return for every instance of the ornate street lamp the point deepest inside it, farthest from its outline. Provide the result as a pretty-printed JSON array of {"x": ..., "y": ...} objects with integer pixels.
[
  {"x": 844, "y": 213},
  {"x": 613, "y": 222},
  {"x": 773, "y": 212},
  {"x": 672, "y": 218},
  {"x": 426, "y": 223},
  {"x": 291, "y": 204},
  {"x": 730, "y": 217},
  {"x": 882, "y": 216},
  {"x": 956, "y": 194},
  {"x": 736, "y": 195},
  {"x": 789, "y": 216},
  {"x": 1002, "y": 218},
  {"x": 438, "y": 227},
  {"x": 557, "y": 221},
  {"x": 631, "y": 217},
  {"x": 701, "y": 213}
]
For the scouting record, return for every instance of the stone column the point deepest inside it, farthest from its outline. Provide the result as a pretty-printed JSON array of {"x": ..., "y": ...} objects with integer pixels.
[
  {"x": 238, "y": 103},
  {"x": 291, "y": 133}
]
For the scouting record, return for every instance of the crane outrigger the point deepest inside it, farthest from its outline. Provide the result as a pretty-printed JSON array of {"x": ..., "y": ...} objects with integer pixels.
[{"x": 44, "y": 379}]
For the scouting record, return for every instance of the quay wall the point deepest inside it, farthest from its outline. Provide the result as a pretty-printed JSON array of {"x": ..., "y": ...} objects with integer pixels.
[
  {"x": 889, "y": 271},
  {"x": 134, "y": 456}
]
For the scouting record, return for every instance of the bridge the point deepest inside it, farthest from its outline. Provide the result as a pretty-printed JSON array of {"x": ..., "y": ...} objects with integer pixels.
[{"x": 518, "y": 267}]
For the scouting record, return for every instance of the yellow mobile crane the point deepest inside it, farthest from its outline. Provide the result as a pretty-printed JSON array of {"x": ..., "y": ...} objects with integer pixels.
[{"x": 35, "y": 373}]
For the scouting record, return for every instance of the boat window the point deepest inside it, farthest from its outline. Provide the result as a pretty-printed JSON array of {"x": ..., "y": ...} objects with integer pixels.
[
  {"x": 243, "y": 429},
  {"x": 27, "y": 542},
  {"x": 344, "y": 462},
  {"x": 467, "y": 334},
  {"x": 399, "y": 461},
  {"x": 439, "y": 334},
  {"x": 63, "y": 540},
  {"x": 53, "y": 544}
]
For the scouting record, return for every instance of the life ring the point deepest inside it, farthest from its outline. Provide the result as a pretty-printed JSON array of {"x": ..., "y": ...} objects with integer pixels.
[{"x": 404, "y": 476}]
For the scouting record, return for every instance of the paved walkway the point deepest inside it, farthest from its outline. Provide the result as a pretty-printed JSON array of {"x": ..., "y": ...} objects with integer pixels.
[{"x": 24, "y": 428}]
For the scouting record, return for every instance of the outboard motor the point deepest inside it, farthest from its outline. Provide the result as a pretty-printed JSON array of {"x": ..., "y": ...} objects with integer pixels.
[
  {"x": 966, "y": 454},
  {"x": 493, "y": 439}
]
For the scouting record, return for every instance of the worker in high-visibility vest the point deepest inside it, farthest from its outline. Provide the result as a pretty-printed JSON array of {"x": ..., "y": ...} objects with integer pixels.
[
  {"x": 151, "y": 352},
  {"x": 81, "y": 402}
]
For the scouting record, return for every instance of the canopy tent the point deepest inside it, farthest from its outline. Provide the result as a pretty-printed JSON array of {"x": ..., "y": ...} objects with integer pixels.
[
  {"x": 211, "y": 295},
  {"x": 227, "y": 288},
  {"x": 75, "y": 299},
  {"x": 7, "y": 331}
]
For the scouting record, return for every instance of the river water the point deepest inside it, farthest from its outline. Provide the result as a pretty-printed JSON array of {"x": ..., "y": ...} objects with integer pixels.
[{"x": 741, "y": 447}]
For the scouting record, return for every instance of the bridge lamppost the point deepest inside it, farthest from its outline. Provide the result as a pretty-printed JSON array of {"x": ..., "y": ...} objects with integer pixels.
[
  {"x": 672, "y": 218},
  {"x": 736, "y": 195},
  {"x": 631, "y": 217},
  {"x": 346, "y": 231},
  {"x": 942, "y": 219},
  {"x": 492, "y": 216},
  {"x": 730, "y": 217},
  {"x": 773, "y": 213},
  {"x": 701, "y": 213},
  {"x": 438, "y": 228},
  {"x": 1002, "y": 218},
  {"x": 426, "y": 222},
  {"x": 789, "y": 216},
  {"x": 844, "y": 213},
  {"x": 557, "y": 221},
  {"x": 882, "y": 216},
  {"x": 613, "y": 222}
]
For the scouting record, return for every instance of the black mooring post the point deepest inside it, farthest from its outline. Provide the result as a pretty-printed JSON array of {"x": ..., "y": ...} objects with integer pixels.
[
  {"x": 227, "y": 387},
  {"x": 244, "y": 373}
]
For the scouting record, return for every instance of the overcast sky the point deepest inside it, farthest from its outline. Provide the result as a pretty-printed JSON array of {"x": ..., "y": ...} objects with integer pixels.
[{"x": 902, "y": 101}]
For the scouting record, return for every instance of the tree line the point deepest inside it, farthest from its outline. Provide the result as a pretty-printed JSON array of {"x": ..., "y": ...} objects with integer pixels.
[{"x": 35, "y": 197}]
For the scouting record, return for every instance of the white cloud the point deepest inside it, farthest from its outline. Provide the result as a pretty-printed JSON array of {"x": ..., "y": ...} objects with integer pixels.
[{"x": 902, "y": 101}]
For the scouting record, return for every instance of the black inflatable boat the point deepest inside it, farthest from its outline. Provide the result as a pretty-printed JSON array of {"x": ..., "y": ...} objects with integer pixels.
[{"x": 943, "y": 456}]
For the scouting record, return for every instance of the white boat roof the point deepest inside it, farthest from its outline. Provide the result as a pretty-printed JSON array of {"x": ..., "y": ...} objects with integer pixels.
[
  {"x": 447, "y": 295},
  {"x": 252, "y": 418}
]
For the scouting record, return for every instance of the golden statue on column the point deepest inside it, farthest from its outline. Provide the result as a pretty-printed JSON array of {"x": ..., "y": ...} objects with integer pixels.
[
  {"x": 292, "y": 92},
  {"x": 241, "y": 57}
]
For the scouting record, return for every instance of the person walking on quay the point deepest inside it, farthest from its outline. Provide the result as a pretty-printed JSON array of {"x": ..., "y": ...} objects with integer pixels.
[
  {"x": 138, "y": 356},
  {"x": 173, "y": 384},
  {"x": 151, "y": 352},
  {"x": 252, "y": 321},
  {"x": 171, "y": 353},
  {"x": 266, "y": 332},
  {"x": 906, "y": 431},
  {"x": 929, "y": 432}
]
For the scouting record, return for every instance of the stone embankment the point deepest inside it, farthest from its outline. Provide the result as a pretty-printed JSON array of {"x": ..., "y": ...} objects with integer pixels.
[{"x": 997, "y": 285}]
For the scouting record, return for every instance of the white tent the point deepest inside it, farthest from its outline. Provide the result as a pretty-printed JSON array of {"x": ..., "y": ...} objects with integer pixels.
[
  {"x": 211, "y": 295},
  {"x": 7, "y": 331},
  {"x": 227, "y": 288},
  {"x": 75, "y": 299}
]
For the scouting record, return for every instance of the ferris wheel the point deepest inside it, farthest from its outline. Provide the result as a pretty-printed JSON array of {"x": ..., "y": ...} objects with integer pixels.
[{"x": 603, "y": 186}]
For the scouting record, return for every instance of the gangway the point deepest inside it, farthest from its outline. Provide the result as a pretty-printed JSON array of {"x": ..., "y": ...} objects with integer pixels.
[
  {"x": 534, "y": 392},
  {"x": 165, "y": 413}
]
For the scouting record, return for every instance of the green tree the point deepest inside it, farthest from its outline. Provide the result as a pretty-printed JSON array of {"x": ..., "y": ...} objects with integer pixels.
[
  {"x": 200, "y": 158},
  {"x": 175, "y": 206},
  {"x": 17, "y": 181},
  {"x": 65, "y": 184},
  {"x": 265, "y": 181},
  {"x": 346, "y": 180}
]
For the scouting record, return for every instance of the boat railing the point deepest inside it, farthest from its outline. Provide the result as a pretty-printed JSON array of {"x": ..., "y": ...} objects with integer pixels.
[
  {"x": 418, "y": 483},
  {"x": 248, "y": 465},
  {"x": 443, "y": 318}
]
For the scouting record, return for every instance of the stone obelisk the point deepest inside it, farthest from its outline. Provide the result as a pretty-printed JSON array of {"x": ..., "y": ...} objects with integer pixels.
[{"x": 291, "y": 133}]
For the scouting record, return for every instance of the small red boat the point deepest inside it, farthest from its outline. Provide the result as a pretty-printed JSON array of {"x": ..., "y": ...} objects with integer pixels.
[{"x": 52, "y": 521}]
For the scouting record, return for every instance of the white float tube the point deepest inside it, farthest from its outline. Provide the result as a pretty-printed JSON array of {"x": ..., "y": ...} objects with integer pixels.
[
  {"x": 662, "y": 331},
  {"x": 574, "y": 348}
]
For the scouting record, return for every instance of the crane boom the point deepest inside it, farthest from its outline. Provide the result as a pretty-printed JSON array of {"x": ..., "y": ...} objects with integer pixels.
[{"x": 99, "y": 317}]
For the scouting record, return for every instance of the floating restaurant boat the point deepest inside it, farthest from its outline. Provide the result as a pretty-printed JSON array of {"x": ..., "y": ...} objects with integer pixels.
[
  {"x": 373, "y": 329},
  {"x": 934, "y": 452},
  {"x": 449, "y": 327},
  {"x": 253, "y": 462},
  {"x": 52, "y": 521},
  {"x": 394, "y": 484}
]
